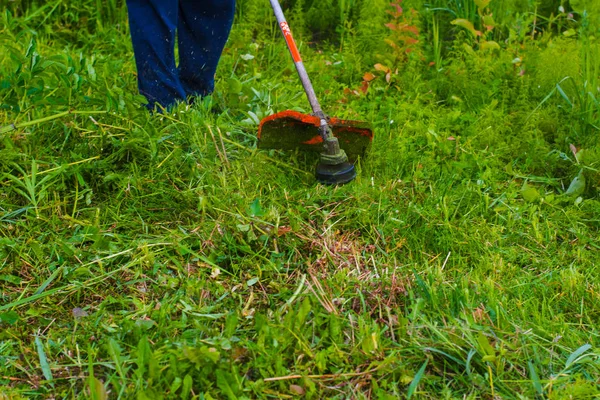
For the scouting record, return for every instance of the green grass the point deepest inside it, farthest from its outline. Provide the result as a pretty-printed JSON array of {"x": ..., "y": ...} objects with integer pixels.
[{"x": 163, "y": 256}]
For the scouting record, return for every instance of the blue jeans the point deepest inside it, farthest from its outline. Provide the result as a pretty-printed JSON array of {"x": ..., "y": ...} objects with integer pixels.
[{"x": 202, "y": 28}]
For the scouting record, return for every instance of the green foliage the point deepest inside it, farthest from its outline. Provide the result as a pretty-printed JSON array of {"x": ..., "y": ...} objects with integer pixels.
[
  {"x": 162, "y": 256},
  {"x": 586, "y": 6}
]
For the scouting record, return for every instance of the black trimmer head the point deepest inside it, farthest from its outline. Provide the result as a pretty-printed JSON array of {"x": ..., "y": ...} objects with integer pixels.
[{"x": 335, "y": 174}]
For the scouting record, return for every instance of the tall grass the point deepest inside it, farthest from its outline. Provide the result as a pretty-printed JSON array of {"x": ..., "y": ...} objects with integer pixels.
[
  {"x": 580, "y": 91},
  {"x": 464, "y": 9},
  {"x": 162, "y": 255},
  {"x": 588, "y": 92}
]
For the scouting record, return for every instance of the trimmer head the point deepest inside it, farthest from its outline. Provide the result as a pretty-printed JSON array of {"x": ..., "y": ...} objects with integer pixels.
[
  {"x": 289, "y": 130},
  {"x": 338, "y": 174},
  {"x": 337, "y": 141}
]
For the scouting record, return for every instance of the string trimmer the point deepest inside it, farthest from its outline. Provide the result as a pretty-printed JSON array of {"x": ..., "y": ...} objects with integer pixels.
[{"x": 338, "y": 141}]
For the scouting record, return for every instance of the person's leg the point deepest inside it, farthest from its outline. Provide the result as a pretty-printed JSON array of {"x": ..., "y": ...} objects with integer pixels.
[
  {"x": 153, "y": 24},
  {"x": 203, "y": 29}
]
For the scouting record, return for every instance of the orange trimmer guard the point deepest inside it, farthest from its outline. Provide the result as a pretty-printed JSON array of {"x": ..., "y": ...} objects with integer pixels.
[{"x": 289, "y": 130}]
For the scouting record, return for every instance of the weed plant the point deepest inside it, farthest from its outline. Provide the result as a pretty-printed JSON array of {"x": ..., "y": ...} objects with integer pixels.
[{"x": 163, "y": 256}]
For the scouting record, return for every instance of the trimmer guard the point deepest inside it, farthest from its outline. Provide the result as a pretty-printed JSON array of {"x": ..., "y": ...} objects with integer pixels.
[{"x": 289, "y": 130}]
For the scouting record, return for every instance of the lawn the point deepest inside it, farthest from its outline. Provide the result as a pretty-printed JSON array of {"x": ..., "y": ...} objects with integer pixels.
[{"x": 162, "y": 255}]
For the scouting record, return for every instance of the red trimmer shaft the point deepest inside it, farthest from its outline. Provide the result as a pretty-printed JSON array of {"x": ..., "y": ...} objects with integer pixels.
[{"x": 331, "y": 143}]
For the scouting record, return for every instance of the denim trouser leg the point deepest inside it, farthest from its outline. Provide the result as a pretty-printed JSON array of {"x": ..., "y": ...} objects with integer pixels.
[
  {"x": 202, "y": 26},
  {"x": 153, "y": 24},
  {"x": 203, "y": 29}
]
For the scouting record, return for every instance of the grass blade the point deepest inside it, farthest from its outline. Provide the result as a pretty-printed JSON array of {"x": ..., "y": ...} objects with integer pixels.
[
  {"x": 49, "y": 281},
  {"x": 564, "y": 95},
  {"x": 552, "y": 92},
  {"x": 416, "y": 380},
  {"x": 43, "y": 359},
  {"x": 535, "y": 379},
  {"x": 472, "y": 352},
  {"x": 576, "y": 354},
  {"x": 456, "y": 360}
]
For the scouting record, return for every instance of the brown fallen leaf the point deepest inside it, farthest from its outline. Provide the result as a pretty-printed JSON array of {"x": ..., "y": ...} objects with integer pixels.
[{"x": 299, "y": 390}]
